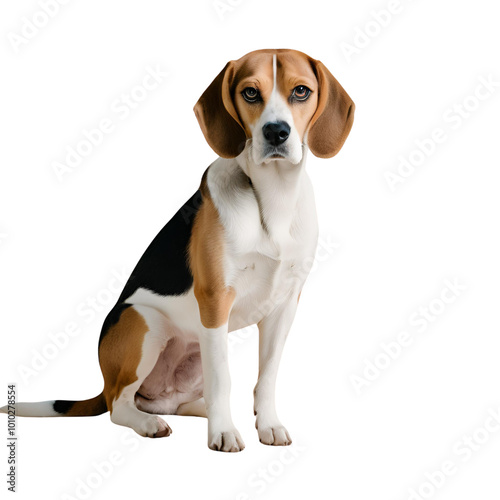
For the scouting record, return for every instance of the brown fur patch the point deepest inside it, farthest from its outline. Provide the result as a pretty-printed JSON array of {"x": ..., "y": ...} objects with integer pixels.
[
  {"x": 257, "y": 72},
  {"x": 217, "y": 117},
  {"x": 294, "y": 69},
  {"x": 120, "y": 353},
  {"x": 332, "y": 122},
  {"x": 206, "y": 259},
  {"x": 88, "y": 408}
]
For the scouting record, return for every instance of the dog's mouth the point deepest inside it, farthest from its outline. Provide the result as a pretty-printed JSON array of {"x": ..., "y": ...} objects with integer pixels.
[{"x": 273, "y": 153}]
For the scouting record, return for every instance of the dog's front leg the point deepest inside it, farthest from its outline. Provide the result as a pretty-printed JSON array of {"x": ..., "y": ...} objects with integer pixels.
[
  {"x": 273, "y": 330},
  {"x": 222, "y": 434}
]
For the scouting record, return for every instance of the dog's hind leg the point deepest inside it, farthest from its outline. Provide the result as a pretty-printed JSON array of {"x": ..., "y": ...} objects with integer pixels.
[{"x": 133, "y": 338}]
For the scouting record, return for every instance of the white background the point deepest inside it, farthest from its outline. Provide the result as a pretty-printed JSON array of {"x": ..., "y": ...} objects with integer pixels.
[{"x": 61, "y": 242}]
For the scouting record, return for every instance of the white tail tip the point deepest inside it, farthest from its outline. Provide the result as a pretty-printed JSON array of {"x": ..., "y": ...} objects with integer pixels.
[{"x": 41, "y": 409}]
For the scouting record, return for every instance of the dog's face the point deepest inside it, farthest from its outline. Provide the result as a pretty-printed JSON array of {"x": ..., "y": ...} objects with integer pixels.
[{"x": 274, "y": 101}]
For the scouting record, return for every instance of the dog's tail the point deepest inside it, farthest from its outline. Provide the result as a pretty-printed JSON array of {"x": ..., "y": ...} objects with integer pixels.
[{"x": 59, "y": 408}]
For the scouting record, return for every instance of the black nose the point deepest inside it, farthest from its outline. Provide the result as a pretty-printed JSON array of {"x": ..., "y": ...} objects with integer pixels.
[{"x": 276, "y": 133}]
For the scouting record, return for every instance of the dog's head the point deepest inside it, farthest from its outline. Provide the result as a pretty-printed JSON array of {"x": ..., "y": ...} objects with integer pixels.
[{"x": 280, "y": 99}]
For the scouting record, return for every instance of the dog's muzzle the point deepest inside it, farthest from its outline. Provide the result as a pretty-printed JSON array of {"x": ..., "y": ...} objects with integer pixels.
[{"x": 275, "y": 135}]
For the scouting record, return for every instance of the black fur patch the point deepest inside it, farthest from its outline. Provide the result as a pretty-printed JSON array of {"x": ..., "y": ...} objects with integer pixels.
[
  {"x": 62, "y": 406},
  {"x": 163, "y": 268}
]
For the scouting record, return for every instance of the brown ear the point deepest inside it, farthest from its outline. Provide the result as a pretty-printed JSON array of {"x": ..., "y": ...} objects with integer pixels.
[
  {"x": 333, "y": 119},
  {"x": 218, "y": 118}
]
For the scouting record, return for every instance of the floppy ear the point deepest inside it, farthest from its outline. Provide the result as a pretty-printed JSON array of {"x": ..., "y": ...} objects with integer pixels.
[
  {"x": 218, "y": 118},
  {"x": 332, "y": 122}
]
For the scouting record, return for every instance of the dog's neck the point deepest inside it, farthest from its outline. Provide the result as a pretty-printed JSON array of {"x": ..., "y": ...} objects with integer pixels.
[{"x": 277, "y": 186}]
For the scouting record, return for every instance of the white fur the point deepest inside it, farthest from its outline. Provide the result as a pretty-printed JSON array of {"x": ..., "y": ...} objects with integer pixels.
[
  {"x": 273, "y": 330},
  {"x": 222, "y": 434},
  {"x": 40, "y": 409}
]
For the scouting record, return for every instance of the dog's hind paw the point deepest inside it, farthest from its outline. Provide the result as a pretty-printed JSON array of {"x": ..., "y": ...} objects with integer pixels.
[{"x": 154, "y": 427}]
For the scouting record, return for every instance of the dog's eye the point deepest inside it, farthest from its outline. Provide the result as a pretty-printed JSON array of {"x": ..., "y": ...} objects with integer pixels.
[
  {"x": 251, "y": 94},
  {"x": 301, "y": 93}
]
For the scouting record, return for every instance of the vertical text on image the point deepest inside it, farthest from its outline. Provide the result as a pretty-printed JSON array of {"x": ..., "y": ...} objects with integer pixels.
[{"x": 11, "y": 438}]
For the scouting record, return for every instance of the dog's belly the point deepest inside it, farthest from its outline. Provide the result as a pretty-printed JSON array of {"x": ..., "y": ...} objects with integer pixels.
[{"x": 175, "y": 379}]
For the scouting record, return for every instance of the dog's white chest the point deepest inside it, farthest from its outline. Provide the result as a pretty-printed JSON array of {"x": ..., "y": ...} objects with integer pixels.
[
  {"x": 269, "y": 247},
  {"x": 261, "y": 284}
]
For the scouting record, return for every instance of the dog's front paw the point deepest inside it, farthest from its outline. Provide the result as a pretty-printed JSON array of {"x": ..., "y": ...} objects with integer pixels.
[
  {"x": 229, "y": 441},
  {"x": 275, "y": 435}
]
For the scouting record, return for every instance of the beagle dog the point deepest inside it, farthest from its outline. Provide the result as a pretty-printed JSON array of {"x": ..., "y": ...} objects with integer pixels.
[{"x": 231, "y": 257}]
